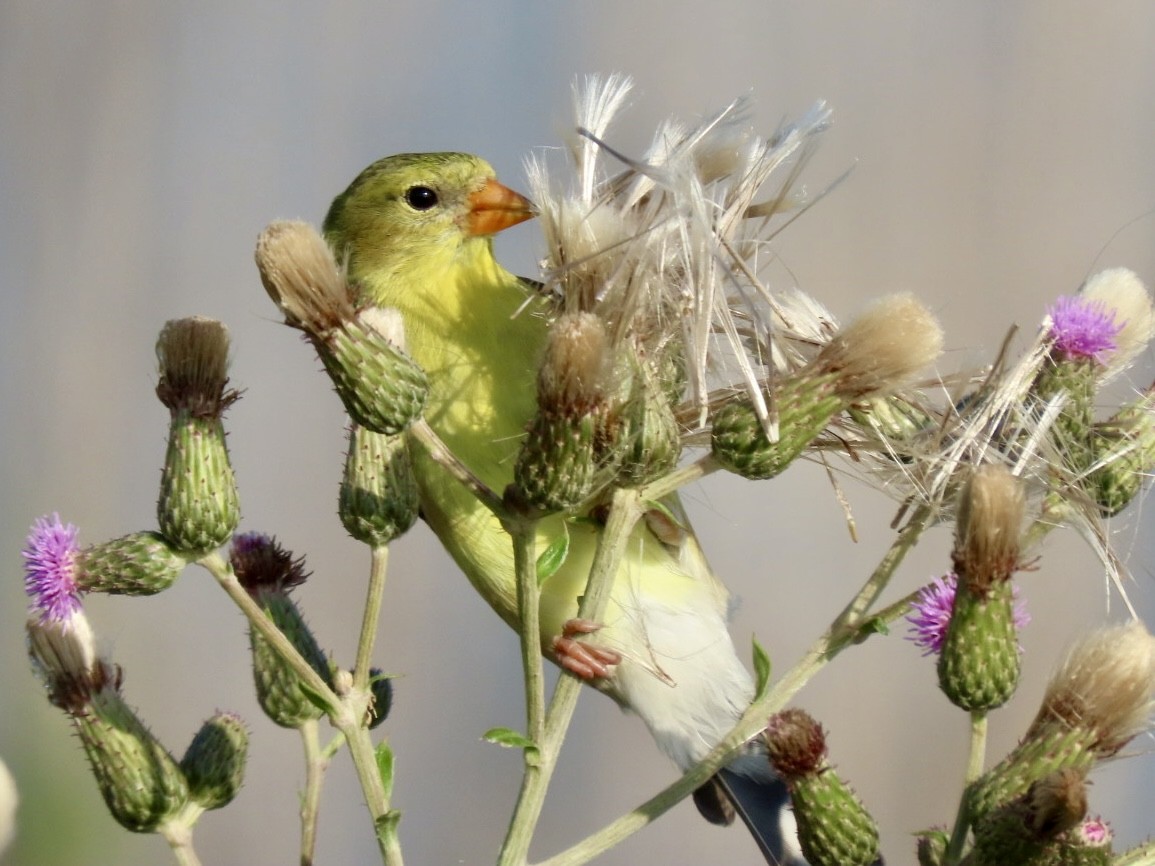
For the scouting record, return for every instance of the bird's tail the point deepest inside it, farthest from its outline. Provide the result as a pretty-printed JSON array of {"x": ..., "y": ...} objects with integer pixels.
[{"x": 749, "y": 790}]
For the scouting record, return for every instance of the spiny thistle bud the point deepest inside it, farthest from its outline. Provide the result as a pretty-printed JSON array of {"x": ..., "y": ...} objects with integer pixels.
[
  {"x": 834, "y": 828},
  {"x": 563, "y": 447},
  {"x": 877, "y": 353},
  {"x": 1124, "y": 455},
  {"x": 381, "y": 685},
  {"x": 378, "y": 498},
  {"x": 214, "y": 763},
  {"x": 1100, "y": 697},
  {"x": 268, "y": 572},
  {"x": 978, "y": 667},
  {"x": 198, "y": 508},
  {"x": 140, "y": 782},
  {"x": 142, "y": 563},
  {"x": 1043, "y": 827},
  {"x": 362, "y": 349}
]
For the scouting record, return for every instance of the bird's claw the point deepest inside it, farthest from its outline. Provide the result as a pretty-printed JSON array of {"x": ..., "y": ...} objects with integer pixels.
[{"x": 581, "y": 659}]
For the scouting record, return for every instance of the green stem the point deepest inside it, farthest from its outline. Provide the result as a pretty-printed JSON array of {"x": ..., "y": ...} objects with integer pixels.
[
  {"x": 177, "y": 832},
  {"x": 316, "y": 762},
  {"x": 975, "y": 762},
  {"x": 625, "y": 511},
  {"x": 376, "y": 798},
  {"x": 379, "y": 565},
  {"x": 223, "y": 572},
  {"x": 523, "y": 532},
  {"x": 683, "y": 475}
]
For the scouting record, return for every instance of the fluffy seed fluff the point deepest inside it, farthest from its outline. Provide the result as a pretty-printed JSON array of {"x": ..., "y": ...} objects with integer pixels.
[
  {"x": 301, "y": 275},
  {"x": 1105, "y": 684}
]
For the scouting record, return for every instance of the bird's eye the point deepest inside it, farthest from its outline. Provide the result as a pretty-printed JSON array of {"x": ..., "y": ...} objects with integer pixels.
[{"x": 420, "y": 197}]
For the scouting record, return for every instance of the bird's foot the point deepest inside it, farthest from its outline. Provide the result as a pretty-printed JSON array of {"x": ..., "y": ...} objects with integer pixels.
[{"x": 581, "y": 659}]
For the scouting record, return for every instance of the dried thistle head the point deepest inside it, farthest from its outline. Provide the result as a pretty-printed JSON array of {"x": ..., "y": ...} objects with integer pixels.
[
  {"x": 989, "y": 526},
  {"x": 302, "y": 277}
]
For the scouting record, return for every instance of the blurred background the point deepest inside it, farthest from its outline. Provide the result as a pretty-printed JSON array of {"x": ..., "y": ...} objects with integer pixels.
[{"x": 1002, "y": 152}]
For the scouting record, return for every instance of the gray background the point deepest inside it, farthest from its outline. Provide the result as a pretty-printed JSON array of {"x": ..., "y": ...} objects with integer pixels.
[{"x": 1004, "y": 151}]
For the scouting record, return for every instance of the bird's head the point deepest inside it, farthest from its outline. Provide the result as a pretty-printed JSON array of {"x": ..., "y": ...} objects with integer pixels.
[{"x": 420, "y": 206}]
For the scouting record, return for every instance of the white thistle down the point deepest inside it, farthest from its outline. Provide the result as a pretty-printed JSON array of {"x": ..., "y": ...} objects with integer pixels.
[{"x": 669, "y": 247}]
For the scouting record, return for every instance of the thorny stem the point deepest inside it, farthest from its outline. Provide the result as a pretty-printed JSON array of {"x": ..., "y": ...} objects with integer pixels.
[
  {"x": 177, "y": 832},
  {"x": 625, "y": 511},
  {"x": 975, "y": 762},
  {"x": 223, "y": 572},
  {"x": 316, "y": 762},
  {"x": 378, "y": 568}
]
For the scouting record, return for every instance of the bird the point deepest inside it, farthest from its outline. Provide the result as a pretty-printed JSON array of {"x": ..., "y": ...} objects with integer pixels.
[{"x": 415, "y": 232}]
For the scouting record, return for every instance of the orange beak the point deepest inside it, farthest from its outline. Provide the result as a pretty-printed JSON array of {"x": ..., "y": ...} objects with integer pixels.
[{"x": 495, "y": 207}]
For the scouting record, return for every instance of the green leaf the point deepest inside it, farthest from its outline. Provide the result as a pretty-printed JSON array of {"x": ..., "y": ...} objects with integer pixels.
[
  {"x": 552, "y": 557},
  {"x": 761, "y": 671},
  {"x": 509, "y": 738},
  {"x": 384, "y": 756}
]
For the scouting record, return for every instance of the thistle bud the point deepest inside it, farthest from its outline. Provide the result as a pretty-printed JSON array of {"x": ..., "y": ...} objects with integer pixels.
[
  {"x": 650, "y": 434},
  {"x": 198, "y": 508},
  {"x": 381, "y": 686},
  {"x": 142, "y": 563},
  {"x": 362, "y": 349},
  {"x": 141, "y": 783},
  {"x": 874, "y": 355},
  {"x": 979, "y": 664},
  {"x": 834, "y": 828},
  {"x": 1124, "y": 456},
  {"x": 1100, "y": 697},
  {"x": 268, "y": 572},
  {"x": 378, "y": 498},
  {"x": 1040, "y": 827},
  {"x": 214, "y": 763},
  {"x": 565, "y": 443}
]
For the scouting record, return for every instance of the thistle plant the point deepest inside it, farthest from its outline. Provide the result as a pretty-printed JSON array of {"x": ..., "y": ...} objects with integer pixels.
[{"x": 664, "y": 357}]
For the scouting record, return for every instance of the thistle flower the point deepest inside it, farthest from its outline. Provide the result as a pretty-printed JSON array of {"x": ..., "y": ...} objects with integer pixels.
[
  {"x": 57, "y": 571},
  {"x": 1083, "y": 329},
  {"x": 50, "y": 569},
  {"x": 268, "y": 573},
  {"x": 930, "y": 613},
  {"x": 362, "y": 348}
]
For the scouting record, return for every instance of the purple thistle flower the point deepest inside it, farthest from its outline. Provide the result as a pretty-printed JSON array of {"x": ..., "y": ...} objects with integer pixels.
[
  {"x": 50, "y": 569},
  {"x": 931, "y": 611},
  {"x": 1083, "y": 329},
  {"x": 1095, "y": 832},
  {"x": 930, "y": 614}
]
